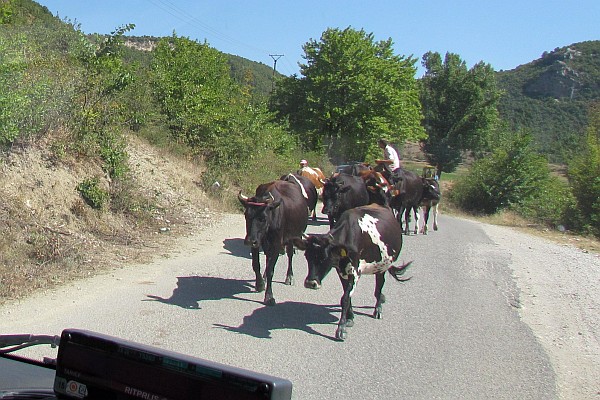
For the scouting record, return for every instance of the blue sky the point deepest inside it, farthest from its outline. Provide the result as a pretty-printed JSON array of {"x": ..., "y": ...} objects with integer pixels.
[{"x": 504, "y": 33}]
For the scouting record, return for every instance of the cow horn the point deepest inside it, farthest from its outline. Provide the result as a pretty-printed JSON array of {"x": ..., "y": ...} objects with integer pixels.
[
  {"x": 242, "y": 198},
  {"x": 271, "y": 196}
]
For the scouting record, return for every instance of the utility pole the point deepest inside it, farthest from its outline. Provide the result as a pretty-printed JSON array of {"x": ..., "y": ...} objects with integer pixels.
[{"x": 275, "y": 57}]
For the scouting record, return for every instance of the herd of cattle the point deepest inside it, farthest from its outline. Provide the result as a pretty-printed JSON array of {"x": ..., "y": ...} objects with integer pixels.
[{"x": 368, "y": 214}]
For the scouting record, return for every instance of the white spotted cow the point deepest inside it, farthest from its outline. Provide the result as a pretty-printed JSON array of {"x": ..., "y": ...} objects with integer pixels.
[{"x": 365, "y": 240}]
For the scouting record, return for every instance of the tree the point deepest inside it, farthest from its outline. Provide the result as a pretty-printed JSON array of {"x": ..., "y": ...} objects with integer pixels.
[
  {"x": 193, "y": 87},
  {"x": 511, "y": 175},
  {"x": 207, "y": 110},
  {"x": 459, "y": 108},
  {"x": 353, "y": 90},
  {"x": 584, "y": 175}
]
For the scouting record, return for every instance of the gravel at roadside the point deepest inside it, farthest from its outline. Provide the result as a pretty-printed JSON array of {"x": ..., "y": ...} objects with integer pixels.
[{"x": 560, "y": 301}]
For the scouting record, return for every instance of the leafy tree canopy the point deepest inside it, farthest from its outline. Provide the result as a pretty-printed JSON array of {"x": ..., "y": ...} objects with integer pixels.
[
  {"x": 584, "y": 175},
  {"x": 459, "y": 106},
  {"x": 353, "y": 90}
]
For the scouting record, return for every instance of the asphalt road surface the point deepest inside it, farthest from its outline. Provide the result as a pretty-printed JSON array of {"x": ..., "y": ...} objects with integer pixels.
[{"x": 451, "y": 332}]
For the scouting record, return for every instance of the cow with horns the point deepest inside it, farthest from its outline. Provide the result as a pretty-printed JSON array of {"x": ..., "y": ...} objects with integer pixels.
[
  {"x": 366, "y": 240},
  {"x": 275, "y": 216}
]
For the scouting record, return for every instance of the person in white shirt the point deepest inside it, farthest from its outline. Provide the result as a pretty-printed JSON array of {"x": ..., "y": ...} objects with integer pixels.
[{"x": 390, "y": 160}]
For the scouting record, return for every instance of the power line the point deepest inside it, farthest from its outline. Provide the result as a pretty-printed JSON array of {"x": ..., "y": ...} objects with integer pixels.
[{"x": 184, "y": 16}]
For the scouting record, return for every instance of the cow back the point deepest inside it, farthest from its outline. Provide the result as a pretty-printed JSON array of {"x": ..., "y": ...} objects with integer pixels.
[
  {"x": 308, "y": 189},
  {"x": 290, "y": 218},
  {"x": 343, "y": 192},
  {"x": 357, "y": 239},
  {"x": 315, "y": 175},
  {"x": 408, "y": 188}
]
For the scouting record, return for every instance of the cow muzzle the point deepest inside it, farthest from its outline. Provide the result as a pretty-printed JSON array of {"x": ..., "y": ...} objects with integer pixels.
[
  {"x": 252, "y": 243},
  {"x": 312, "y": 284}
]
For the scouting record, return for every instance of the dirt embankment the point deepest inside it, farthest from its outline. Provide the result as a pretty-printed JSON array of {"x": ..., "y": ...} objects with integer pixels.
[{"x": 50, "y": 235}]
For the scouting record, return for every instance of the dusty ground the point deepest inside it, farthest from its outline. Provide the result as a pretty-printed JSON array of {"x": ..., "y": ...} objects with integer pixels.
[
  {"x": 49, "y": 235},
  {"x": 43, "y": 213}
]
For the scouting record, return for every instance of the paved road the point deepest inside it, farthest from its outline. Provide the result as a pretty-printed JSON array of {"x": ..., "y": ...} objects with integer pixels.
[{"x": 450, "y": 332}]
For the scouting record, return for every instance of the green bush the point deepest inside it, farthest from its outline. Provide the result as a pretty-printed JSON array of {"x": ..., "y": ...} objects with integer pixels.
[
  {"x": 92, "y": 193},
  {"x": 552, "y": 205},
  {"x": 511, "y": 175},
  {"x": 584, "y": 176}
]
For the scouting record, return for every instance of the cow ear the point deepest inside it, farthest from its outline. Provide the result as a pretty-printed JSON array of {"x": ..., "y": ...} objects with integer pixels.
[{"x": 274, "y": 204}]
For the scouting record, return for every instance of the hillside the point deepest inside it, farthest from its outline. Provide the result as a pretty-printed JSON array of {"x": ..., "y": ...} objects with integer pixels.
[
  {"x": 257, "y": 76},
  {"x": 551, "y": 96}
]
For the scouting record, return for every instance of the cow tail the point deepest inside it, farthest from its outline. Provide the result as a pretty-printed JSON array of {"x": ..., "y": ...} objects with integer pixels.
[{"x": 397, "y": 272}]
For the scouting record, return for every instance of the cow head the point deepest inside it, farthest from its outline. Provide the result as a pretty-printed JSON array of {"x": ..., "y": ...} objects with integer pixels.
[
  {"x": 431, "y": 189},
  {"x": 321, "y": 255},
  {"x": 333, "y": 190},
  {"x": 259, "y": 214}
]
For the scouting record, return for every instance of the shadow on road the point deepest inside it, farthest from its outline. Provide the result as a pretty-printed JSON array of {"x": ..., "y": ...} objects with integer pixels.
[
  {"x": 286, "y": 315},
  {"x": 237, "y": 248},
  {"x": 192, "y": 290}
]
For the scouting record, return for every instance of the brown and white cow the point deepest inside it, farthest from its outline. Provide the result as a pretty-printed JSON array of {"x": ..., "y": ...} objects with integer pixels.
[
  {"x": 366, "y": 240},
  {"x": 275, "y": 216},
  {"x": 316, "y": 176}
]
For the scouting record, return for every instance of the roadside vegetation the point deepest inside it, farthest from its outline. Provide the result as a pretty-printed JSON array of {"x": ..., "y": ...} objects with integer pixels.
[{"x": 106, "y": 116}]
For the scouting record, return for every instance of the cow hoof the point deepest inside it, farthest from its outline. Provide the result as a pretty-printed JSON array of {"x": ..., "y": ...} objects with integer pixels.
[
  {"x": 270, "y": 302},
  {"x": 260, "y": 287},
  {"x": 341, "y": 335},
  {"x": 289, "y": 280},
  {"x": 350, "y": 323},
  {"x": 377, "y": 314}
]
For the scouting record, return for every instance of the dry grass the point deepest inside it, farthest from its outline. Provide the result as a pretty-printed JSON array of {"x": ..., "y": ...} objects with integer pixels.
[{"x": 48, "y": 235}]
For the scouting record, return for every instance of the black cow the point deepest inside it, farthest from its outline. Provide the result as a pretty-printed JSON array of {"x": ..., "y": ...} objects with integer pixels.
[
  {"x": 343, "y": 192},
  {"x": 366, "y": 240},
  {"x": 406, "y": 197},
  {"x": 309, "y": 192},
  {"x": 275, "y": 216},
  {"x": 430, "y": 201}
]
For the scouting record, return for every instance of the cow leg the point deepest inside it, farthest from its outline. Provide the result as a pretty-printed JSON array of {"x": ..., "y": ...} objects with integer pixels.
[
  {"x": 272, "y": 257},
  {"x": 350, "y": 312},
  {"x": 346, "y": 304},
  {"x": 259, "y": 282},
  {"x": 399, "y": 217},
  {"x": 435, "y": 215},
  {"x": 426, "y": 210},
  {"x": 416, "y": 214},
  {"x": 407, "y": 221},
  {"x": 379, "y": 282},
  {"x": 289, "y": 278}
]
